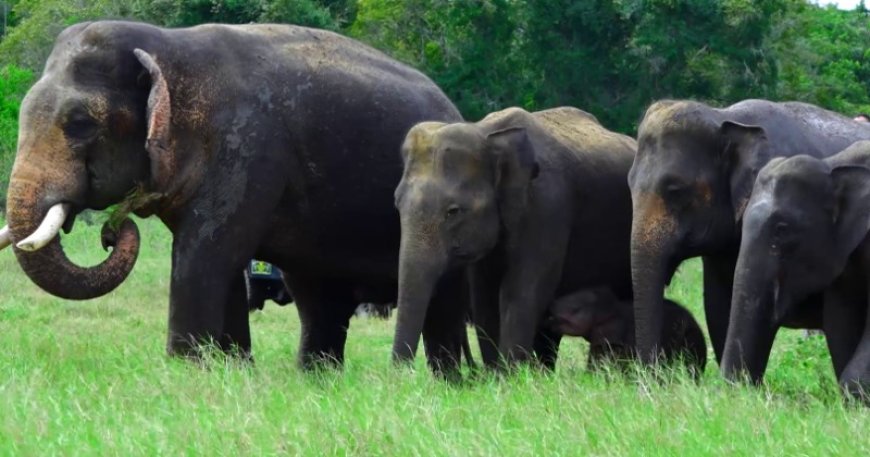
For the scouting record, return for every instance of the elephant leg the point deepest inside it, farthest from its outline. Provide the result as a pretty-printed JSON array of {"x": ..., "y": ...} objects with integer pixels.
[
  {"x": 207, "y": 300},
  {"x": 484, "y": 277},
  {"x": 521, "y": 305},
  {"x": 843, "y": 322},
  {"x": 236, "y": 335},
  {"x": 444, "y": 331},
  {"x": 207, "y": 303},
  {"x": 325, "y": 309},
  {"x": 855, "y": 378},
  {"x": 547, "y": 348},
  {"x": 532, "y": 274},
  {"x": 718, "y": 286}
]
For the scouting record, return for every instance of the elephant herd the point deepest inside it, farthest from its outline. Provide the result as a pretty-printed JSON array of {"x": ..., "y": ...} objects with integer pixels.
[{"x": 359, "y": 179}]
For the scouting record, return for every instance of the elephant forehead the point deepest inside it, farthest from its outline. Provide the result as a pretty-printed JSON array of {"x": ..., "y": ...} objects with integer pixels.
[
  {"x": 454, "y": 164},
  {"x": 797, "y": 176}
]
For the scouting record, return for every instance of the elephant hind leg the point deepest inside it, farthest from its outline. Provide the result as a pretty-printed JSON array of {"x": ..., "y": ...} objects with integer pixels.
[{"x": 325, "y": 309}]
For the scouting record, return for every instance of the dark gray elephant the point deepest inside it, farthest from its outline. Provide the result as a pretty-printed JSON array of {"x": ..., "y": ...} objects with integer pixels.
[
  {"x": 690, "y": 182},
  {"x": 804, "y": 232},
  {"x": 607, "y": 323},
  {"x": 533, "y": 204},
  {"x": 268, "y": 141}
]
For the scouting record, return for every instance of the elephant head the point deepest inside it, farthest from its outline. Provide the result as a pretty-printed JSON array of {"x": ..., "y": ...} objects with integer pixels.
[
  {"x": 801, "y": 224},
  {"x": 594, "y": 314},
  {"x": 92, "y": 129},
  {"x": 461, "y": 186},
  {"x": 690, "y": 179}
]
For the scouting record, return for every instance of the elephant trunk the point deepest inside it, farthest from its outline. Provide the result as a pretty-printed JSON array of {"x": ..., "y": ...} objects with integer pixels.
[
  {"x": 652, "y": 239},
  {"x": 751, "y": 328},
  {"x": 48, "y": 266},
  {"x": 648, "y": 274},
  {"x": 420, "y": 269}
]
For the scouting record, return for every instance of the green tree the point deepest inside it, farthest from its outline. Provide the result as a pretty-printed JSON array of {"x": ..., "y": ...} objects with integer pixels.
[
  {"x": 823, "y": 56},
  {"x": 14, "y": 82}
]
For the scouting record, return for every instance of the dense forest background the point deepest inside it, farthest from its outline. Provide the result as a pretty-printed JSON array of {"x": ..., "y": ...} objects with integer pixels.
[{"x": 609, "y": 57}]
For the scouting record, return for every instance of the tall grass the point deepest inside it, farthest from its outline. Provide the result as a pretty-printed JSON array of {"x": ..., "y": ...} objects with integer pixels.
[{"x": 91, "y": 378}]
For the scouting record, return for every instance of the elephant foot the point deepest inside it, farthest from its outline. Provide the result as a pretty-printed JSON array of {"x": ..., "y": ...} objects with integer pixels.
[
  {"x": 320, "y": 360},
  {"x": 856, "y": 390},
  {"x": 202, "y": 352}
]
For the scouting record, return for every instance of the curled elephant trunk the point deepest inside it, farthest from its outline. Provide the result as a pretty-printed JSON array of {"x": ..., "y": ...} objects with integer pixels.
[
  {"x": 751, "y": 328},
  {"x": 42, "y": 258},
  {"x": 419, "y": 273}
]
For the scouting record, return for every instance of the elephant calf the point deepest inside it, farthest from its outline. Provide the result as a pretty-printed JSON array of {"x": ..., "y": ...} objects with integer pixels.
[
  {"x": 607, "y": 323},
  {"x": 805, "y": 231}
]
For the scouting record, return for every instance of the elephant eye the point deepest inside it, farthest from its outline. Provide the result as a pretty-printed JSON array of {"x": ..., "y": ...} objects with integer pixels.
[
  {"x": 453, "y": 211},
  {"x": 80, "y": 129},
  {"x": 780, "y": 229}
]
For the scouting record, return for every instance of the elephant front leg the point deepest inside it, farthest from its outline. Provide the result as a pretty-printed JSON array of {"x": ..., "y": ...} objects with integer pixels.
[
  {"x": 236, "y": 335},
  {"x": 718, "y": 287},
  {"x": 207, "y": 305},
  {"x": 444, "y": 332},
  {"x": 533, "y": 271},
  {"x": 484, "y": 278},
  {"x": 525, "y": 295}
]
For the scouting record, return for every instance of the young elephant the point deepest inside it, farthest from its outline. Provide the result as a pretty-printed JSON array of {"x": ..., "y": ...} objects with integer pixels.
[
  {"x": 805, "y": 232},
  {"x": 533, "y": 204},
  {"x": 607, "y": 323}
]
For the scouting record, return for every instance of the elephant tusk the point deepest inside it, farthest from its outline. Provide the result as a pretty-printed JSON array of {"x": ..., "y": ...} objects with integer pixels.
[
  {"x": 5, "y": 237},
  {"x": 47, "y": 230}
]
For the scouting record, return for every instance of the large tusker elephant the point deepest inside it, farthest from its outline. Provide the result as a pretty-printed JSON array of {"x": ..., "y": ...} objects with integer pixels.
[
  {"x": 805, "y": 231},
  {"x": 533, "y": 205},
  {"x": 268, "y": 141},
  {"x": 690, "y": 182}
]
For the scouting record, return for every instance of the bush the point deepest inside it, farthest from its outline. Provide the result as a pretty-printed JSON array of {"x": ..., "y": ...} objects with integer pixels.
[{"x": 14, "y": 82}]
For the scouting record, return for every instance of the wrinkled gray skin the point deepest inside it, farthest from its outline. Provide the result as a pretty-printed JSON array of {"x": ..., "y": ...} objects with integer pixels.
[
  {"x": 607, "y": 323},
  {"x": 268, "y": 141},
  {"x": 690, "y": 182},
  {"x": 531, "y": 204},
  {"x": 804, "y": 232}
]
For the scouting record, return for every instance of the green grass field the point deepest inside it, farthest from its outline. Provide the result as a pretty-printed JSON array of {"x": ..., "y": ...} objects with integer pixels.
[{"x": 91, "y": 378}]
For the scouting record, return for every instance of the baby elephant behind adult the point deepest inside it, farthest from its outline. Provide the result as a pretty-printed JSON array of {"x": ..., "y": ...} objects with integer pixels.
[
  {"x": 533, "y": 204},
  {"x": 607, "y": 323}
]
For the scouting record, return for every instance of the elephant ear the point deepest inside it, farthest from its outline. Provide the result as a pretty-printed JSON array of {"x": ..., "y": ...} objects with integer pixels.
[
  {"x": 851, "y": 216},
  {"x": 744, "y": 154},
  {"x": 159, "y": 113},
  {"x": 516, "y": 167}
]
